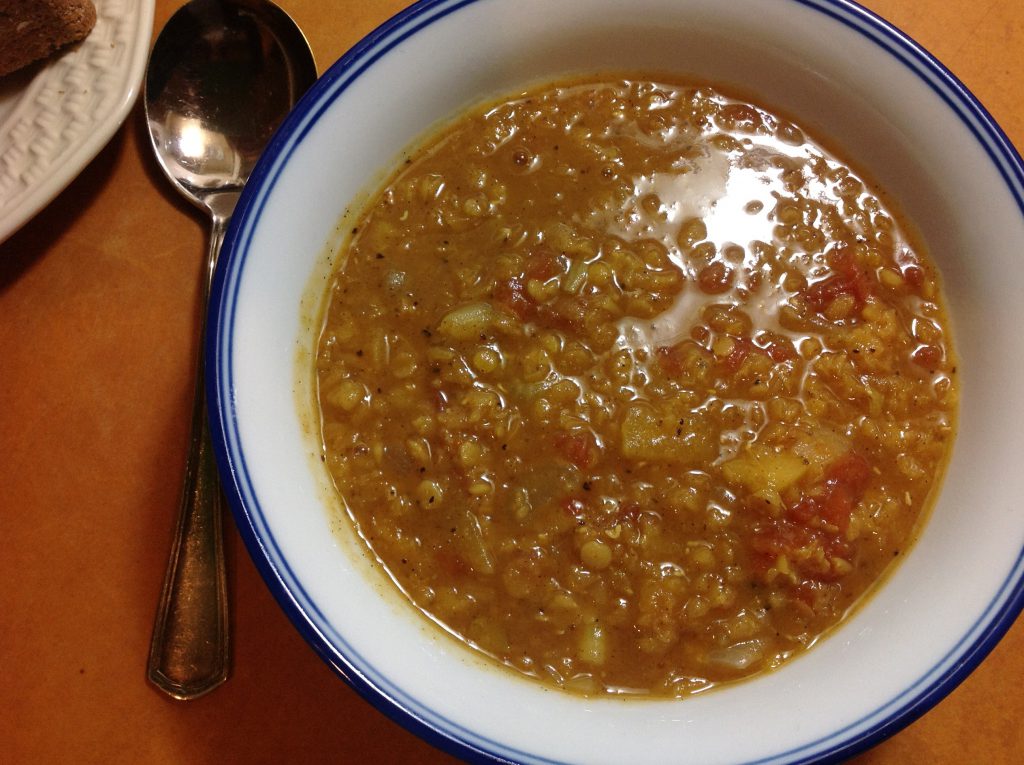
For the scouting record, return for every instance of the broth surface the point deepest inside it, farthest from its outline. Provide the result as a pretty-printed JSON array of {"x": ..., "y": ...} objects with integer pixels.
[{"x": 634, "y": 386}]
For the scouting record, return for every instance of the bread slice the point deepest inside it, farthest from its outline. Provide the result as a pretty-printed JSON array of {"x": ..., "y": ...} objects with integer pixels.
[{"x": 33, "y": 29}]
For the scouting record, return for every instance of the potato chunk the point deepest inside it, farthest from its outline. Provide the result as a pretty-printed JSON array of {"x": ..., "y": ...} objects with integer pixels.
[
  {"x": 660, "y": 434},
  {"x": 762, "y": 470},
  {"x": 820, "y": 448}
]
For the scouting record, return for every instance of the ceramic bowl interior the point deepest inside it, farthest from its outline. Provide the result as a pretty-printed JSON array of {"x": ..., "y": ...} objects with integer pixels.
[{"x": 844, "y": 75}]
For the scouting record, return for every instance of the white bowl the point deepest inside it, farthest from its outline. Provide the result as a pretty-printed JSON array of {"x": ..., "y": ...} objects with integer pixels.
[{"x": 846, "y": 75}]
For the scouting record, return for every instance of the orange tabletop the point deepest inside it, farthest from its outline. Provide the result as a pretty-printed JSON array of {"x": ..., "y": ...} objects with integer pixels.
[{"x": 98, "y": 312}]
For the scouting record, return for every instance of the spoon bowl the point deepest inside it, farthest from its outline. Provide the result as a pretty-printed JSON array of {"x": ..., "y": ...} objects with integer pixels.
[{"x": 222, "y": 76}]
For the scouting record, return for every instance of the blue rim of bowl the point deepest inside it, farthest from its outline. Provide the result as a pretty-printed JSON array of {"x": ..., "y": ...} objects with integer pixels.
[{"x": 889, "y": 718}]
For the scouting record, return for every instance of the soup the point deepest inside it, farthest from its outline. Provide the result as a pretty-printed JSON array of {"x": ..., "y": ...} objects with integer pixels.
[{"x": 634, "y": 386}]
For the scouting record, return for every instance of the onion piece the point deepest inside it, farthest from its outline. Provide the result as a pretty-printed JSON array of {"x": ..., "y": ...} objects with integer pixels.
[{"x": 738, "y": 657}]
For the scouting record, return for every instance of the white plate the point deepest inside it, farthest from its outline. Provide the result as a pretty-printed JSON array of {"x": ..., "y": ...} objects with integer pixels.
[{"x": 56, "y": 116}]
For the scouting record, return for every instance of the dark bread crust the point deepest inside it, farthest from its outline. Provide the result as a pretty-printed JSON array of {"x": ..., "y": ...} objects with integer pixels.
[{"x": 33, "y": 29}]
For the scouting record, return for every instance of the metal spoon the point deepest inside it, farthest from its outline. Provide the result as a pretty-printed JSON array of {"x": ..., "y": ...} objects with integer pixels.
[{"x": 222, "y": 76}]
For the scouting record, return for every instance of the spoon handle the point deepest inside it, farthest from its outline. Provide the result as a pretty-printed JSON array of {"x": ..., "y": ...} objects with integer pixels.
[{"x": 189, "y": 654}]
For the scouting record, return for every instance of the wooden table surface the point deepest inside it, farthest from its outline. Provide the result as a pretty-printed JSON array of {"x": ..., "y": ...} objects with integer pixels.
[{"x": 98, "y": 312}]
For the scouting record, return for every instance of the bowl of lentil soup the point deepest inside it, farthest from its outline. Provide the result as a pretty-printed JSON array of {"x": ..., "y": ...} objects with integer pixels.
[{"x": 593, "y": 391}]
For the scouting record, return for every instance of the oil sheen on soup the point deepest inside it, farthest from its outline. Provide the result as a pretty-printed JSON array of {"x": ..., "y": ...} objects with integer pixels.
[{"x": 634, "y": 386}]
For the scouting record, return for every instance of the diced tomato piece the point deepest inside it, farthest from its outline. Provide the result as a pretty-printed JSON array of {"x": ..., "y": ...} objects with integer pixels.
[
  {"x": 542, "y": 265},
  {"x": 838, "y": 506},
  {"x": 513, "y": 295},
  {"x": 672, "y": 358},
  {"x": 566, "y": 313},
  {"x": 844, "y": 264},
  {"x": 780, "y": 350},
  {"x": 847, "y": 279},
  {"x": 766, "y": 542},
  {"x": 805, "y": 509},
  {"x": 845, "y": 482},
  {"x": 760, "y": 562},
  {"x": 807, "y": 593},
  {"x": 781, "y": 537},
  {"x": 851, "y": 470},
  {"x": 578, "y": 448},
  {"x": 820, "y": 294},
  {"x": 786, "y": 538},
  {"x": 742, "y": 348},
  {"x": 838, "y": 547},
  {"x": 831, "y": 502}
]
